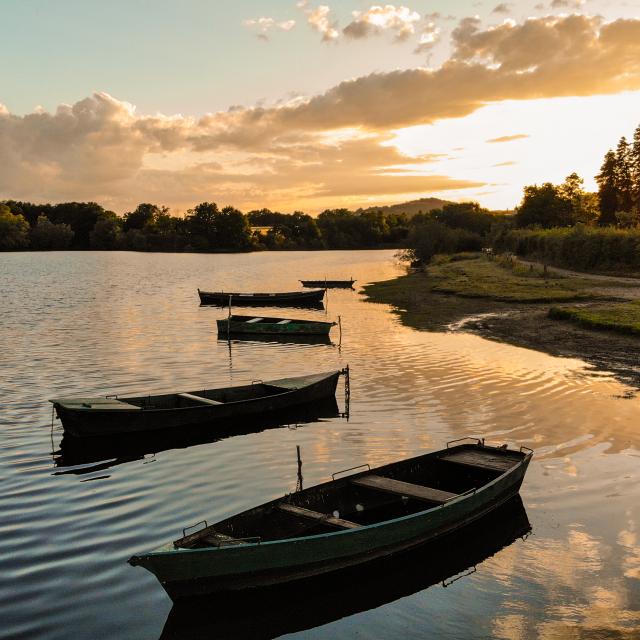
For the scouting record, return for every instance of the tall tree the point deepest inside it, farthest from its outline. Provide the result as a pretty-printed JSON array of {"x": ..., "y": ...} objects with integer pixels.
[
  {"x": 145, "y": 214},
  {"x": 545, "y": 206},
  {"x": 14, "y": 230},
  {"x": 584, "y": 206},
  {"x": 607, "y": 190},
  {"x": 635, "y": 169},
  {"x": 624, "y": 181},
  {"x": 49, "y": 236}
]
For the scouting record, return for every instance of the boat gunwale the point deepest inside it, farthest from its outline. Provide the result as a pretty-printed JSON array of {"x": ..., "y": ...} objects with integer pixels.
[
  {"x": 368, "y": 527},
  {"x": 267, "y": 320},
  {"x": 203, "y": 406},
  {"x": 264, "y": 294}
]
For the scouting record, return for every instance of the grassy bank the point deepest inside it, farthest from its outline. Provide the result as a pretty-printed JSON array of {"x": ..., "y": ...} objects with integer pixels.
[
  {"x": 477, "y": 276},
  {"x": 622, "y": 318},
  {"x": 503, "y": 280},
  {"x": 476, "y": 285}
]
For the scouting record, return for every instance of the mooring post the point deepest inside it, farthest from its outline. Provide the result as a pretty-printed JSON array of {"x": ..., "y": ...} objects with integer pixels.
[
  {"x": 347, "y": 389},
  {"x": 229, "y": 320},
  {"x": 299, "y": 483},
  {"x": 340, "y": 329}
]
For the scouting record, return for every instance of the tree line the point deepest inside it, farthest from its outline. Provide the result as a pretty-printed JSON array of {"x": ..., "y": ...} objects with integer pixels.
[
  {"x": 617, "y": 201},
  {"x": 206, "y": 228}
]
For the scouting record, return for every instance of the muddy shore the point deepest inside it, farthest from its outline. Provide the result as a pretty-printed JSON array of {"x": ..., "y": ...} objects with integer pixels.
[{"x": 525, "y": 325}]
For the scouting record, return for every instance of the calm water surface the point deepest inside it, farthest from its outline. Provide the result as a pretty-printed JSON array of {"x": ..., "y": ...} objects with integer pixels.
[{"x": 98, "y": 323}]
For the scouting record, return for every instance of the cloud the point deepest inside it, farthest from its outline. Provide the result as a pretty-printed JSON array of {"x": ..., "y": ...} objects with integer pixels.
[
  {"x": 501, "y": 8},
  {"x": 320, "y": 20},
  {"x": 517, "y": 136},
  {"x": 508, "y": 163},
  {"x": 378, "y": 19},
  {"x": 101, "y": 148},
  {"x": 566, "y": 4},
  {"x": 264, "y": 25},
  {"x": 428, "y": 38}
]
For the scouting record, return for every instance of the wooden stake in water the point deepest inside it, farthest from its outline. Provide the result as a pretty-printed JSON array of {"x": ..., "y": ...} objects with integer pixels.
[
  {"x": 229, "y": 320},
  {"x": 299, "y": 483}
]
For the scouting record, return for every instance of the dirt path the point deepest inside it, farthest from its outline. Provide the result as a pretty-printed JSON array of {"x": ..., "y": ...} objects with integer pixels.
[{"x": 611, "y": 284}]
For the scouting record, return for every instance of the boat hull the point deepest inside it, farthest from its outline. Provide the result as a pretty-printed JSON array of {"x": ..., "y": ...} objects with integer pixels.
[
  {"x": 330, "y": 598},
  {"x": 288, "y": 299},
  {"x": 189, "y": 573},
  {"x": 296, "y": 328},
  {"x": 96, "y": 422},
  {"x": 328, "y": 284}
]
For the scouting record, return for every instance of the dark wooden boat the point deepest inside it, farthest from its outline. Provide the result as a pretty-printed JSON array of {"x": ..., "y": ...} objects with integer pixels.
[
  {"x": 328, "y": 284},
  {"x": 118, "y": 415},
  {"x": 285, "y": 299},
  {"x": 79, "y": 456},
  {"x": 342, "y": 523},
  {"x": 278, "y": 326},
  {"x": 328, "y": 598}
]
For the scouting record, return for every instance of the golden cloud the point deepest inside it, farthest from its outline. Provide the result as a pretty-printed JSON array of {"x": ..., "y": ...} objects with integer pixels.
[{"x": 101, "y": 148}]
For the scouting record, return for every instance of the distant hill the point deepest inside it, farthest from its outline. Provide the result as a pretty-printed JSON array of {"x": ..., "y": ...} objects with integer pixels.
[{"x": 412, "y": 207}]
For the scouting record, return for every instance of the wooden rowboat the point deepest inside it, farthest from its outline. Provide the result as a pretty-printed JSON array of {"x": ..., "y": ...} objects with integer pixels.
[
  {"x": 79, "y": 456},
  {"x": 278, "y": 326},
  {"x": 284, "y": 299},
  {"x": 342, "y": 523},
  {"x": 119, "y": 415},
  {"x": 328, "y": 284},
  {"x": 326, "y": 599}
]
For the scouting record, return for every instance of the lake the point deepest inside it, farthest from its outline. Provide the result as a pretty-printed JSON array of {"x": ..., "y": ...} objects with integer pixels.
[{"x": 91, "y": 323}]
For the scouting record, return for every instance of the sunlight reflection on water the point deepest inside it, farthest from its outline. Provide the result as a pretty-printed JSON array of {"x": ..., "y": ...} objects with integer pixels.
[{"x": 97, "y": 323}]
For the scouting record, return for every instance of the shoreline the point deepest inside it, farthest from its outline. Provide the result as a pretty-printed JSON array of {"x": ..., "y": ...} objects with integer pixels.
[{"x": 418, "y": 300}]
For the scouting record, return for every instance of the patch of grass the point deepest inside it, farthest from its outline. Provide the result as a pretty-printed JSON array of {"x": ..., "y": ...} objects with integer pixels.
[
  {"x": 623, "y": 318},
  {"x": 505, "y": 281},
  {"x": 420, "y": 308}
]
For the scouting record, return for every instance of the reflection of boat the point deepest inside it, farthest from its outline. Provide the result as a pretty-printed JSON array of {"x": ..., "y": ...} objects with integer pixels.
[
  {"x": 275, "y": 326},
  {"x": 328, "y": 284},
  {"x": 112, "y": 415},
  {"x": 341, "y": 523},
  {"x": 104, "y": 452},
  {"x": 284, "y": 299},
  {"x": 319, "y": 601},
  {"x": 280, "y": 339}
]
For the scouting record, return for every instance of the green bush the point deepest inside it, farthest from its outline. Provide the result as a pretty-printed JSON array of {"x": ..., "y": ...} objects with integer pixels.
[
  {"x": 430, "y": 238},
  {"x": 580, "y": 247}
]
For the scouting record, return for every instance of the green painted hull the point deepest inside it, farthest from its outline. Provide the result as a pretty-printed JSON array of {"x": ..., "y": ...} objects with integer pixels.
[
  {"x": 186, "y": 573},
  {"x": 298, "y": 328}
]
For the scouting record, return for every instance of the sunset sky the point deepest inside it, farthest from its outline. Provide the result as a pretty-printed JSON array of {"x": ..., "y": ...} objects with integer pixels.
[{"x": 300, "y": 105}]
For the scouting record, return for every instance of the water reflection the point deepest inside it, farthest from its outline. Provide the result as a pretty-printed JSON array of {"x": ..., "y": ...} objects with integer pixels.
[
  {"x": 268, "y": 613},
  {"x": 88, "y": 455},
  {"x": 277, "y": 339}
]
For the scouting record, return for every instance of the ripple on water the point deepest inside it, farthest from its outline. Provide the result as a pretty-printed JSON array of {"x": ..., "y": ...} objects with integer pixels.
[{"x": 131, "y": 323}]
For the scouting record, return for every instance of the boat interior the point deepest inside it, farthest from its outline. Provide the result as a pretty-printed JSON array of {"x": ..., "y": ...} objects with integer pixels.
[
  {"x": 269, "y": 320},
  {"x": 369, "y": 497},
  {"x": 205, "y": 397}
]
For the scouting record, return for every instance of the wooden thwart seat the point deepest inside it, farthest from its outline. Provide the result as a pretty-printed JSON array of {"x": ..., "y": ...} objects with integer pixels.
[
  {"x": 190, "y": 396},
  {"x": 483, "y": 460},
  {"x": 253, "y": 320},
  {"x": 407, "y": 489},
  {"x": 317, "y": 516},
  {"x": 208, "y": 535}
]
